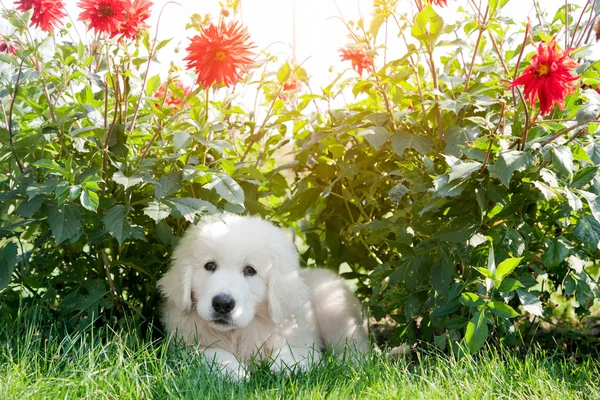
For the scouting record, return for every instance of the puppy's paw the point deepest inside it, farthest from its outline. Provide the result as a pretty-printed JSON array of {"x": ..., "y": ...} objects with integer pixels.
[
  {"x": 289, "y": 361},
  {"x": 227, "y": 364},
  {"x": 237, "y": 373}
]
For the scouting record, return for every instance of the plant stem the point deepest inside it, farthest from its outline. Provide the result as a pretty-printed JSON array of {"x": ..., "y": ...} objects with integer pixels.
[
  {"x": 10, "y": 115},
  {"x": 567, "y": 130},
  {"x": 482, "y": 28}
]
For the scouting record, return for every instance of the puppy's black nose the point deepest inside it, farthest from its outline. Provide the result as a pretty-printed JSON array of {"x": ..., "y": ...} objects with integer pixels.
[{"x": 223, "y": 303}]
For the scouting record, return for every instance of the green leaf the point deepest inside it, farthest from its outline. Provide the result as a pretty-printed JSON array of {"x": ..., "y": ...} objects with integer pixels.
[
  {"x": 583, "y": 177},
  {"x": 64, "y": 222},
  {"x": 86, "y": 303},
  {"x": 442, "y": 272},
  {"x": 36, "y": 189},
  {"x": 29, "y": 207},
  {"x": 485, "y": 272},
  {"x": 152, "y": 85},
  {"x": 506, "y": 267},
  {"x": 375, "y": 135},
  {"x": 284, "y": 73},
  {"x": 446, "y": 309},
  {"x": 402, "y": 140},
  {"x": 397, "y": 193},
  {"x": 227, "y": 188},
  {"x": 556, "y": 253},
  {"x": 167, "y": 185},
  {"x": 470, "y": 299},
  {"x": 457, "y": 137},
  {"x": 89, "y": 200},
  {"x": 443, "y": 188},
  {"x": 127, "y": 181},
  {"x": 591, "y": 109},
  {"x": 427, "y": 26},
  {"x": 562, "y": 159},
  {"x": 510, "y": 161},
  {"x": 463, "y": 169},
  {"x": 587, "y": 231},
  {"x": 157, "y": 211},
  {"x": 190, "y": 207},
  {"x": 593, "y": 203},
  {"x": 116, "y": 223},
  {"x": 502, "y": 309},
  {"x": 8, "y": 262},
  {"x": 509, "y": 284},
  {"x": 531, "y": 304},
  {"x": 477, "y": 332}
]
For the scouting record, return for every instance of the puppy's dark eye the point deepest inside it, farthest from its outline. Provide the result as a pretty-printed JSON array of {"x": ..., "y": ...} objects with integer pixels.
[
  {"x": 249, "y": 271},
  {"x": 210, "y": 266}
]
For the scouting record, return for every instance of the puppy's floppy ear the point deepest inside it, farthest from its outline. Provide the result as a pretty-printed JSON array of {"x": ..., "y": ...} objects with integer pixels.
[
  {"x": 176, "y": 284},
  {"x": 287, "y": 293}
]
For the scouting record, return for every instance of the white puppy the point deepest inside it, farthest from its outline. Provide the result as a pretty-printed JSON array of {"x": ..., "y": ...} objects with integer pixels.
[{"x": 235, "y": 289}]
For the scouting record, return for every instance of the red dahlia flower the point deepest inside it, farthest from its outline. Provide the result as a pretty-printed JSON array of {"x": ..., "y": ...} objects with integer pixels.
[
  {"x": 548, "y": 77},
  {"x": 359, "y": 57},
  {"x": 24, "y": 5},
  {"x": 104, "y": 16},
  {"x": 137, "y": 14},
  {"x": 46, "y": 13},
  {"x": 173, "y": 97},
  {"x": 220, "y": 54},
  {"x": 439, "y": 3}
]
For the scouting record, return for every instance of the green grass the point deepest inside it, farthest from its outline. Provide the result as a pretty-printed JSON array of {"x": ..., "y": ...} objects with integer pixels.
[{"x": 121, "y": 366}]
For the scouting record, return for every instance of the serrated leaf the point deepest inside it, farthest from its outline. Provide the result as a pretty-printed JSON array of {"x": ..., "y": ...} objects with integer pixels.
[
  {"x": 573, "y": 200},
  {"x": 190, "y": 207},
  {"x": 89, "y": 200},
  {"x": 127, "y": 181},
  {"x": 509, "y": 284},
  {"x": 29, "y": 207},
  {"x": 476, "y": 332},
  {"x": 180, "y": 139},
  {"x": 506, "y": 267},
  {"x": 555, "y": 254},
  {"x": 377, "y": 136},
  {"x": 587, "y": 231},
  {"x": 227, "y": 188},
  {"x": 397, "y": 193},
  {"x": 530, "y": 303},
  {"x": 510, "y": 161},
  {"x": 116, "y": 222},
  {"x": 152, "y": 85},
  {"x": 444, "y": 188},
  {"x": 8, "y": 262},
  {"x": 284, "y": 73},
  {"x": 562, "y": 159},
  {"x": 64, "y": 222},
  {"x": 457, "y": 137},
  {"x": 583, "y": 177},
  {"x": 167, "y": 185},
  {"x": 593, "y": 203},
  {"x": 403, "y": 140},
  {"x": 463, "y": 169},
  {"x": 427, "y": 25},
  {"x": 502, "y": 309},
  {"x": 442, "y": 272},
  {"x": 157, "y": 211}
]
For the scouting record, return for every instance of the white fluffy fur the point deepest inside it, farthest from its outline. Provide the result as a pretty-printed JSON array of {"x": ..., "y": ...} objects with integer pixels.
[{"x": 282, "y": 315}]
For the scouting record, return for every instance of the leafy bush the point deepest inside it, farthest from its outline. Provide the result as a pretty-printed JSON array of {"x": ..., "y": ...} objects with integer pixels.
[
  {"x": 458, "y": 206},
  {"x": 103, "y": 167},
  {"x": 459, "y": 210}
]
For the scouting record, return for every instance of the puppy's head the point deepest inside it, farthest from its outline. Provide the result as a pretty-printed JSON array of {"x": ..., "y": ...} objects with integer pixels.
[{"x": 226, "y": 266}]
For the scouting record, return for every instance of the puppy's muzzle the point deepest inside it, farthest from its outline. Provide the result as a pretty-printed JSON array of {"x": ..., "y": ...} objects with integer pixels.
[{"x": 223, "y": 304}]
